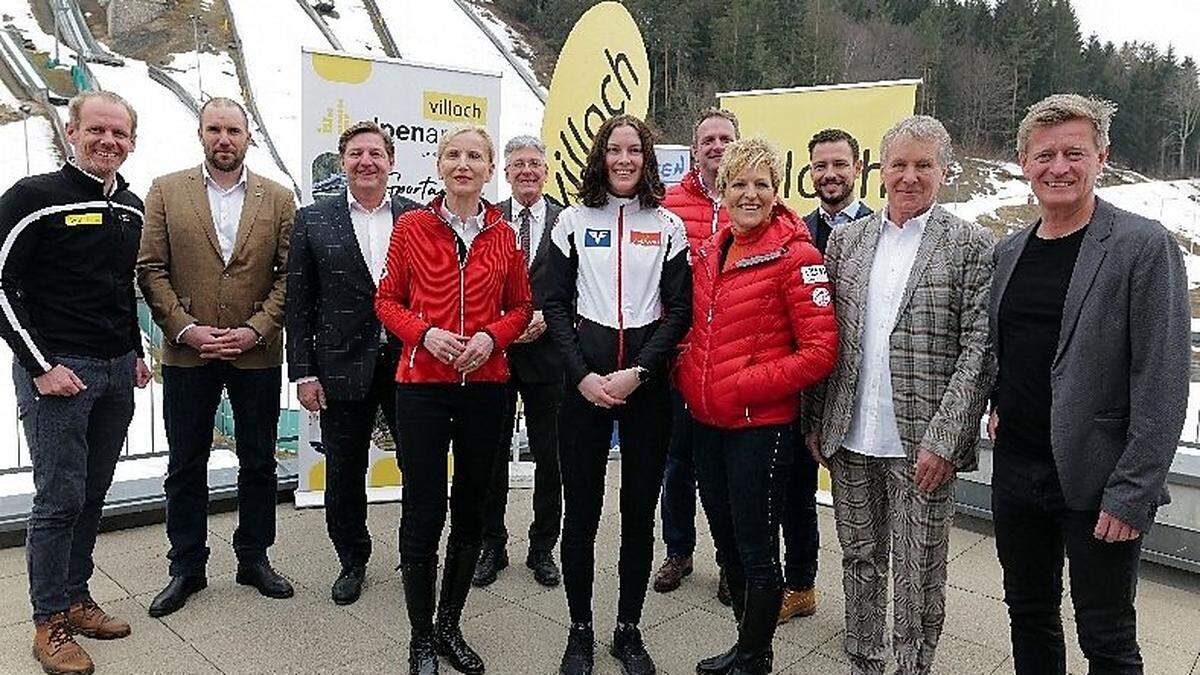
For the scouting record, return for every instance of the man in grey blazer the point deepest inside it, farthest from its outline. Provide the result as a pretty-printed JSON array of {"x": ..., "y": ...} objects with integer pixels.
[
  {"x": 1090, "y": 323},
  {"x": 537, "y": 376},
  {"x": 900, "y": 414}
]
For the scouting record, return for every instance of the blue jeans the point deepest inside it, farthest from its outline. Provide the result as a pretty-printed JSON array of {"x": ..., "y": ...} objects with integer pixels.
[
  {"x": 679, "y": 483},
  {"x": 74, "y": 442}
]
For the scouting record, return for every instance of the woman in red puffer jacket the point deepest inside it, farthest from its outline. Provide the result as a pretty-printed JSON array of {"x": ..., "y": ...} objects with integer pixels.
[{"x": 762, "y": 330}]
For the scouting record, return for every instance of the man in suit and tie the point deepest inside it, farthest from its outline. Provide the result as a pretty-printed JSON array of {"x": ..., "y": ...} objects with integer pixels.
[
  {"x": 834, "y": 165},
  {"x": 537, "y": 376},
  {"x": 342, "y": 361},
  {"x": 900, "y": 414},
  {"x": 1091, "y": 328},
  {"x": 212, "y": 268}
]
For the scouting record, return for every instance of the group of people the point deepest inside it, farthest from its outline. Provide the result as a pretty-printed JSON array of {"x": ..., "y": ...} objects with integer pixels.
[{"x": 735, "y": 345}]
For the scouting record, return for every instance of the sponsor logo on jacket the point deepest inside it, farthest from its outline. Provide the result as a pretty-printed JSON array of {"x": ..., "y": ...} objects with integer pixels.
[
  {"x": 645, "y": 238},
  {"x": 597, "y": 238}
]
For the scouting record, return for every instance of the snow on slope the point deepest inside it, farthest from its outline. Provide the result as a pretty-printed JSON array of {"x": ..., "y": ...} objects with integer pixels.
[
  {"x": 272, "y": 33},
  {"x": 354, "y": 29},
  {"x": 438, "y": 32}
]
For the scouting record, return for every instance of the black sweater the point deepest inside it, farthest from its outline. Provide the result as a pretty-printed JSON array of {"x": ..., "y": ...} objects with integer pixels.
[{"x": 67, "y": 253}]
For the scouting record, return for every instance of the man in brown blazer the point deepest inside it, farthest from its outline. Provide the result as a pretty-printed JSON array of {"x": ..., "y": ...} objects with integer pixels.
[
  {"x": 213, "y": 269},
  {"x": 900, "y": 414}
]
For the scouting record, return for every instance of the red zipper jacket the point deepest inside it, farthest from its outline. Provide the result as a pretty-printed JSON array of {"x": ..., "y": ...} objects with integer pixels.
[
  {"x": 701, "y": 216},
  {"x": 761, "y": 331},
  {"x": 425, "y": 286}
]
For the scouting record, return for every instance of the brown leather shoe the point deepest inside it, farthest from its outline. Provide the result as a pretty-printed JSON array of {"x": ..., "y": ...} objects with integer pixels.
[
  {"x": 797, "y": 603},
  {"x": 57, "y": 651},
  {"x": 672, "y": 572},
  {"x": 87, "y": 619}
]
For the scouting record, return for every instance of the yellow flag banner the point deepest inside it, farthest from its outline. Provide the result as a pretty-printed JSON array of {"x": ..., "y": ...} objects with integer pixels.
[
  {"x": 601, "y": 72},
  {"x": 790, "y": 117}
]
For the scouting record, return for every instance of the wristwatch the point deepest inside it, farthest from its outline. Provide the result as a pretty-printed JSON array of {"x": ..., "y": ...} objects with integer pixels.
[{"x": 643, "y": 374}]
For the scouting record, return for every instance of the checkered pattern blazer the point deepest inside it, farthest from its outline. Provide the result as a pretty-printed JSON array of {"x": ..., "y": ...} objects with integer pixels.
[{"x": 940, "y": 361}]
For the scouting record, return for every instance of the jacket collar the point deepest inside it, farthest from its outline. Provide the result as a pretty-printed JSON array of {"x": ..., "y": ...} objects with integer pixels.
[
  {"x": 784, "y": 229},
  {"x": 91, "y": 182},
  {"x": 492, "y": 213}
]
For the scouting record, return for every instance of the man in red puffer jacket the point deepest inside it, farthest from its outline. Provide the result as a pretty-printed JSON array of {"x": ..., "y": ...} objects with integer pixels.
[{"x": 696, "y": 202}]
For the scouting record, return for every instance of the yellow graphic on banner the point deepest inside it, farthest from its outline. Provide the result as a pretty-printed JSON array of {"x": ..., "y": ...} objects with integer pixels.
[
  {"x": 316, "y": 477},
  {"x": 85, "y": 219},
  {"x": 443, "y": 107},
  {"x": 384, "y": 473},
  {"x": 790, "y": 117},
  {"x": 335, "y": 120},
  {"x": 342, "y": 68},
  {"x": 601, "y": 72}
]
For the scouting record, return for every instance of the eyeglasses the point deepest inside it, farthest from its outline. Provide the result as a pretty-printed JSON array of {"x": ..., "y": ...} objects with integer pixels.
[{"x": 521, "y": 164}]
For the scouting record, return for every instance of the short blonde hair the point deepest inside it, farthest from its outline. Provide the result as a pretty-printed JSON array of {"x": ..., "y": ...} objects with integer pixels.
[
  {"x": 1058, "y": 108},
  {"x": 75, "y": 106},
  {"x": 745, "y": 154},
  {"x": 467, "y": 129}
]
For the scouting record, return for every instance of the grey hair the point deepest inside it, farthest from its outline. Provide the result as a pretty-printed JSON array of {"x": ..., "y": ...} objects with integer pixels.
[
  {"x": 523, "y": 142},
  {"x": 75, "y": 106},
  {"x": 920, "y": 128},
  {"x": 1059, "y": 108}
]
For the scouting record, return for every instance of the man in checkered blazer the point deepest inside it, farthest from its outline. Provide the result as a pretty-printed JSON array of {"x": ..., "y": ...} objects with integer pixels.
[{"x": 900, "y": 415}]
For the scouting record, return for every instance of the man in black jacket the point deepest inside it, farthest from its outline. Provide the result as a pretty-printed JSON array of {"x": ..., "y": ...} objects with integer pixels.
[
  {"x": 342, "y": 361},
  {"x": 70, "y": 241},
  {"x": 833, "y": 165},
  {"x": 537, "y": 376}
]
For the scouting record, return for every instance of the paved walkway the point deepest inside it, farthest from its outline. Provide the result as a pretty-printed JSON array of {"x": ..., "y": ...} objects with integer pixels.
[{"x": 518, "y": 626}]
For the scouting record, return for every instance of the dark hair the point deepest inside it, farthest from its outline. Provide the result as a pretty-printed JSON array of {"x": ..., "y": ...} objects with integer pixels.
[
  {"x": 593, "y": 184},
  {"x": 223, "y": 102},
  {"x": 367, "y": 127},
  {"x": 833, "y": 136}
]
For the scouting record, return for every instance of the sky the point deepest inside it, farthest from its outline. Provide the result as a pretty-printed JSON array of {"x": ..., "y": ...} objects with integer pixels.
[{"x": 1162, "y": 22}]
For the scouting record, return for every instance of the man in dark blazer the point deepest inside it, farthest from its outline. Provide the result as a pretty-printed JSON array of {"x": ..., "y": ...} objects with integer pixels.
[
  {"x": 834, "y": 165},
  {"x": 1090, "y": 324},
  {"x": 342, "y": 361},
  {"x": 537, "y": 376}
]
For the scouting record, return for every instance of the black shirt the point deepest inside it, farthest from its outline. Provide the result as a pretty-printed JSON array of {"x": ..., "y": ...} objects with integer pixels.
[{"x": 1029, "y": 322}]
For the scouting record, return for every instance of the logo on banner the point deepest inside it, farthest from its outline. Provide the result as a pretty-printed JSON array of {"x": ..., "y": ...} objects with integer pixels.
[
  {"x": 645, "y": 238},
  {"x": 602, "y": 71},
  {"x": 442, "y": 107},
  {"x": 597, "y": 238},
  {"x": 336, "y": 119}
]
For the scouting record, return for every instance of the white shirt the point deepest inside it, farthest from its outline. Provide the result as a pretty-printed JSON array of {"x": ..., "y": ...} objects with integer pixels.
[
  {"x": 873, "y": 429},
  {"x": 467, "y": 229},
  {"x": 226, "y": 209},
  {"x": 842, "y": 217},
  {"x": 373, "y": 230},
  {"x": 537, "y": 222}
]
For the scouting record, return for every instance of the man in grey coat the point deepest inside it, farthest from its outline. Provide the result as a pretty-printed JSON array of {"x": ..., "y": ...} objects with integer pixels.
[
  {"x": 900, "y": 414},
  {"x": 1090, "y": 323}
]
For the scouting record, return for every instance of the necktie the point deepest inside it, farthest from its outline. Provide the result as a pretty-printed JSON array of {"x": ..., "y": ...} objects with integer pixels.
[{"x": 524, "y": 233}]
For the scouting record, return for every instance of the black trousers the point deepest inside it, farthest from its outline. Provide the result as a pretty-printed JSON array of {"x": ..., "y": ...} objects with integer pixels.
[
  {"x": 801, "y": 536},
  {"x": 643, "y": 424},
  {"x": 190, "y": 399},
  {"x": 742, "y": 475},
  {"x": 541, "y": 420},
  {"x": 430, "y": 417},
  {"x": 346, "y": 429},
  {"x": 1033, "y": 531}
]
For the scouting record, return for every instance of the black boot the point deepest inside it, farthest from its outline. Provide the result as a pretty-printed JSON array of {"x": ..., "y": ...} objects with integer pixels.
[
  {"x": 418, "y": 578},
  {"x": 757, "y": 629},
  {"x": 578, "y": 657},
  {"x": 629, "y": 650},
  {"x": 722, "y": 663},
  {"x": 456, "y": 581}
]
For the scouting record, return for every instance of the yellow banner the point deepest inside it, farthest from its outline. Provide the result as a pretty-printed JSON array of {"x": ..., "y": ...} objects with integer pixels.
[
  {"x": 790, "y": 117},
  {"x": 601, "y": 72}
]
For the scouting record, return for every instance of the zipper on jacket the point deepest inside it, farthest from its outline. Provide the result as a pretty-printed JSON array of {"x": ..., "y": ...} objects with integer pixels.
[
  {"x": 462, "y": 299},
  {"x": 716, "y": 213},
  {"x": 620, "y": 302},
  {"x": 747, "y": 413},
  {"x": 712, "y": 303}
]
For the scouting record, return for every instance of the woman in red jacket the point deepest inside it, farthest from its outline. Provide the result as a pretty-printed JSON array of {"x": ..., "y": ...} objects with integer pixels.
[
  {"x": 762, "y": 330},
  {"x": 456, "y": 292}
]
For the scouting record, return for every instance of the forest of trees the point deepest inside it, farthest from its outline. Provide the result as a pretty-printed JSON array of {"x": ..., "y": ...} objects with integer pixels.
[{"x": 982, "y": 62}]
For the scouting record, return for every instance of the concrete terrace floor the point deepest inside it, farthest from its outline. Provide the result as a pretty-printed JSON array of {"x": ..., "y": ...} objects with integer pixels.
[{"x": 517, "y": 625}]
